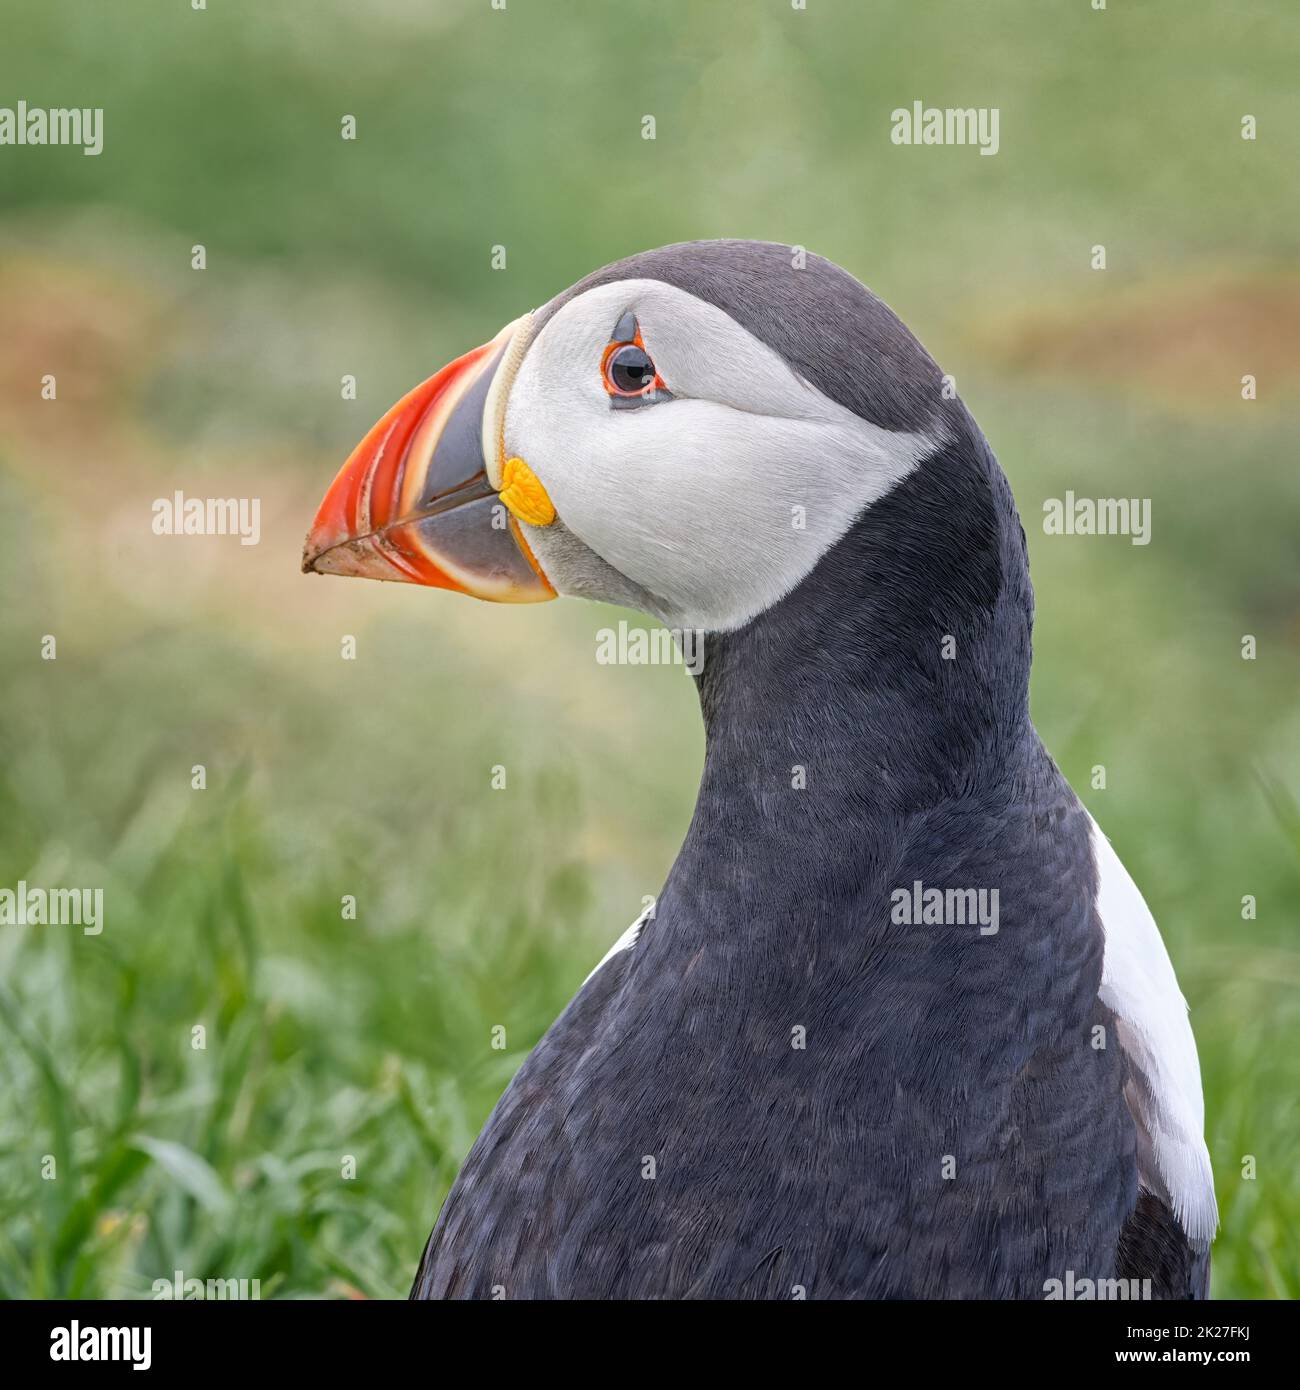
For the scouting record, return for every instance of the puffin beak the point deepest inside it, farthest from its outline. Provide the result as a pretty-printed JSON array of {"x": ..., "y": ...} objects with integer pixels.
[{"x": 428, "y": 497}]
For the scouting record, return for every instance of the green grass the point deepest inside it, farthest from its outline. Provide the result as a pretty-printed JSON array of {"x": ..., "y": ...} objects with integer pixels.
[
  {"x": 325, "y": 1037},
  {"x": 371, "y": 1040}
]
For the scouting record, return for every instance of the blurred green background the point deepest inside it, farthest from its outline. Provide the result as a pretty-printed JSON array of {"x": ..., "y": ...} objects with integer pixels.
[{"x": 373, "y": 1038}]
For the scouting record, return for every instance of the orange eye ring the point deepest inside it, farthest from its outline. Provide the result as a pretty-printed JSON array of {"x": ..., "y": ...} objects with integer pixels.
[{"x": 607, "y": 369}]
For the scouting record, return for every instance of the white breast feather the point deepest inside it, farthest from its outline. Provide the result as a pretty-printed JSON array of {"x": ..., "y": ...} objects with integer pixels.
[
  {"x": 1164, "y": 1095},
  {"x": 626, "y": 941}
]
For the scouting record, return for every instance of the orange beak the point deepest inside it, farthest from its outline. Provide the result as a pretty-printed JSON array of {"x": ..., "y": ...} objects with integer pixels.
[{"x": 414, "y": 502}]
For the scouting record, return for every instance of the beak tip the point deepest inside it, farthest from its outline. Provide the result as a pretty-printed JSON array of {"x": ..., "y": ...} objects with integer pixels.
[
  {"x": 356, "y": 558},
  {"x": 313, "y": 551}
]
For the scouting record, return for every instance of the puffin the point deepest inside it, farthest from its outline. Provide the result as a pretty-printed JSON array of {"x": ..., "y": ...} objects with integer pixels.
[{"x": 899, "y": 1023}]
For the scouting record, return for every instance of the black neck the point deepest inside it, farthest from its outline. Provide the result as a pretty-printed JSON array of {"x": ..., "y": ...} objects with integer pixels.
[{"x": 897, "y": 673}]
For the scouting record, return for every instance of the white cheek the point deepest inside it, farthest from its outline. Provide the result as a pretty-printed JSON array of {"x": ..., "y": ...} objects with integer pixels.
[
  {"x": 697, "y": 512},
  {"x": 719, "y": 512}
]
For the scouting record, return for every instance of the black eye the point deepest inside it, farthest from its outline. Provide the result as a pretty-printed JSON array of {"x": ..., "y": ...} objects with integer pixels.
[{"x": 629, "y": 370}]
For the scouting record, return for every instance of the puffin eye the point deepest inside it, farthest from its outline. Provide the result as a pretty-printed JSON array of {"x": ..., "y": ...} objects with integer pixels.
[{"x": 629, "y": 370}]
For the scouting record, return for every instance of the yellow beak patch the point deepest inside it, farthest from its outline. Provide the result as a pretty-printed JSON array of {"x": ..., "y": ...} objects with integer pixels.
[{"x": 523, "y": 493}]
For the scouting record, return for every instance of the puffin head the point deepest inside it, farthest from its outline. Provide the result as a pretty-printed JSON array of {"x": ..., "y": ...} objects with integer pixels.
[{"x": 687, "y": 432}]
